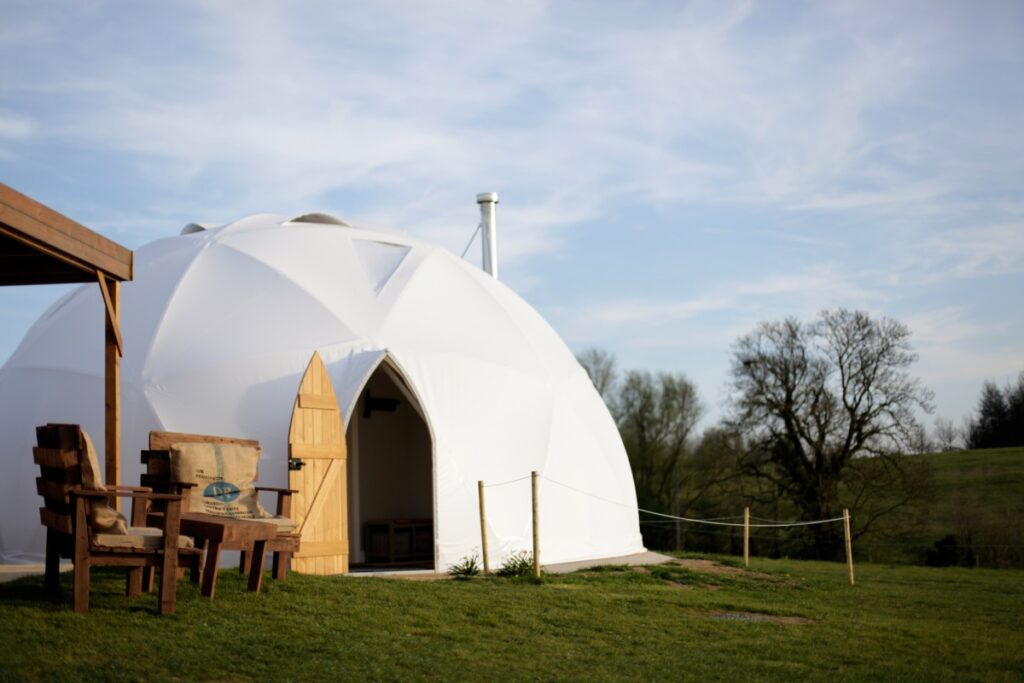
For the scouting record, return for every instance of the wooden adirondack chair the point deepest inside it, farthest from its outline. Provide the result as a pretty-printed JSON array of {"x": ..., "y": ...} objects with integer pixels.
[{"x": 70, "y": 510}]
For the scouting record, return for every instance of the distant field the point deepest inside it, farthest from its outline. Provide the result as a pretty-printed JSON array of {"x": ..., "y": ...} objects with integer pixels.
[
  {"x": 784, "y": 621},
  {"x": 992, "y": 479},
  {"x": 979, "y": 499}
]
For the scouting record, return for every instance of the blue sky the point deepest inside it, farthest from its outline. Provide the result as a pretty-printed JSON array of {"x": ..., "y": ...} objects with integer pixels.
[{"x": 671, "y": 173}]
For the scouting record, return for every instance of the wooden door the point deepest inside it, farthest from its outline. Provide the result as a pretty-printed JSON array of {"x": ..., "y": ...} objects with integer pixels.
[{"x": 317, "y": 462}]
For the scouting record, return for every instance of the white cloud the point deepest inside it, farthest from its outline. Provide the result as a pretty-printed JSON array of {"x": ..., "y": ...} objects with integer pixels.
[
  {"x": 283, "y": 104},
  {"x": 15, "y": 127},
  {"x": 942, "y": 364},
  {"x": 742, "y": 304},
  {"x": 983, "y": 251}
]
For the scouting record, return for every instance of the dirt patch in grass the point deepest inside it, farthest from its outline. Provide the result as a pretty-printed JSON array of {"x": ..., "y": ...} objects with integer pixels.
[
  {"x": 711, "y": 567},
  {"x": 759, "y": 617},
  {"x": 692, "y": 586}
]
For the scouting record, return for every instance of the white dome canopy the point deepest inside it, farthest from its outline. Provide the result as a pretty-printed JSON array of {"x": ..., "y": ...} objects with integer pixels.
[{"x": 219, "y": 325}]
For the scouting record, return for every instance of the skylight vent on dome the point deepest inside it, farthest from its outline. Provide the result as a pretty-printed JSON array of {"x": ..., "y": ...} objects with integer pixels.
[
  {"x": 322, "y": 218},
  {"x": 193, "y": 228}
]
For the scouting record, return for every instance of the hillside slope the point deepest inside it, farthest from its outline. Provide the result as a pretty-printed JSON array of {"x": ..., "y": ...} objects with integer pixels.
[{"x": 979, "y": 500}]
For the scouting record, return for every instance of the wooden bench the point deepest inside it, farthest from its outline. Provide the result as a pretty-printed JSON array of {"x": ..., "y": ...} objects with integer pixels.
[
  {"x": 158, "y": 477},
  {"x": 398, "y": 542}
]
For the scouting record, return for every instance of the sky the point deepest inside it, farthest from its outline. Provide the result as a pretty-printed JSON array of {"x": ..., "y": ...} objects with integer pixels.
[{"x": 670, "y": 173}]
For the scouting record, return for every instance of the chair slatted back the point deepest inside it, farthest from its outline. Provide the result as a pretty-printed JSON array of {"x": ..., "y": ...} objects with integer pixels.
[{"x": 59, "y": 471}]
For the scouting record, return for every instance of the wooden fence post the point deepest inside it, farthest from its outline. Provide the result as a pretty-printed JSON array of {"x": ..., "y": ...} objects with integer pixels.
[
  {"x": 536, "y": 527},
  {"x": 746, "y": 536},
  {"x": 849, "y": 543},
  {"x": 483, "y": 527}
]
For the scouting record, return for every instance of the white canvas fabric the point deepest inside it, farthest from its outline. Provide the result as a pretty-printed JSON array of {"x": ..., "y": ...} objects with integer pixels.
[{"x": 219, "y": 325}]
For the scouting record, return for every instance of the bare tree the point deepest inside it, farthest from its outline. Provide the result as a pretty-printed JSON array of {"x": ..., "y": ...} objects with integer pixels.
[
  {"x": 947, "y": 436},
  {"x": 920, "y": 442},
  {"x": 600, "y": 366},
  {"x": 656, "y": 416},
  {"x": 828, "y": 407}
]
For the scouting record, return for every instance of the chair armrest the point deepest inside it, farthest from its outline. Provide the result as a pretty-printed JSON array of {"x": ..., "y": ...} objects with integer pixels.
[
  {"x": 140, "y": 508},
  {"x": 83, "y": 493},
  {"x": 158, "y": 496},
  {"x": 284, "y": 499},
  {"x": 146, "y": 495}
]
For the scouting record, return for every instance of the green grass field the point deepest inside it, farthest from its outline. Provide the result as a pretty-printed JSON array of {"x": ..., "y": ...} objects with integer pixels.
[
  {"x": 784, "y": 620},
  {"x": 990, "y": 479},
  {"x": 979, "y": 499}
]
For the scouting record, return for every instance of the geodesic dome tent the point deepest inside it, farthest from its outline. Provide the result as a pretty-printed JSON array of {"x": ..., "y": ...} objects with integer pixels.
[{"x": 219, "y": 325}]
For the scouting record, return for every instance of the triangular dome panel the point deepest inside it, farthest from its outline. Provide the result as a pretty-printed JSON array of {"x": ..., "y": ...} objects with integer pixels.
[{"x": 379, "y": 260}]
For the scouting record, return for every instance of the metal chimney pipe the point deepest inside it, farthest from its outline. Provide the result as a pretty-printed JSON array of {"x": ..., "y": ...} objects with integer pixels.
[{"x": 489, "y": 226}]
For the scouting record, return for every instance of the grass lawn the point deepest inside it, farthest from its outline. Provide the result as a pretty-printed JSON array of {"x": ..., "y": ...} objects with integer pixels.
[{"x": 690, "y": 622}]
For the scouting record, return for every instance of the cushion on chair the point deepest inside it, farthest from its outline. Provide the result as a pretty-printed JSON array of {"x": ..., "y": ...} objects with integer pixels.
[
  {"x": 139, "y": 537},
  {"x": 223, "y": 475},
  {"x": 104, "y": 518},
  {"x": 285, "y": 525}
]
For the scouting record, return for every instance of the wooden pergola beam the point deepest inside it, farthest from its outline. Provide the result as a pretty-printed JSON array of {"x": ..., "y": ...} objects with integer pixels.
[
  {"x": 46, "y": 231},
  {"x": 40, "y": 246}
]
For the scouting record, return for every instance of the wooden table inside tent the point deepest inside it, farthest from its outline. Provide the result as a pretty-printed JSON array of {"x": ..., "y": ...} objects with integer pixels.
[{"x": 214, "y": 533}]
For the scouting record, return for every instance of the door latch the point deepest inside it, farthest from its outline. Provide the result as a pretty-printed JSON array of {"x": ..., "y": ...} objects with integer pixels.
[{"x": 295, "y": 464}]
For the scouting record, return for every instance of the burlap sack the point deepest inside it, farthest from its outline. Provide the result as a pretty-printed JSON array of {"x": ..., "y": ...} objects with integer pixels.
[
  {"x": 223, "y": 475},
  {"x": 104, "y": 518}
]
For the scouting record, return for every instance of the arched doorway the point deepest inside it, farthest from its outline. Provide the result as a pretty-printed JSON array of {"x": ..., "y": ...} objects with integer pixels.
[{"x": 390, "y": 475}]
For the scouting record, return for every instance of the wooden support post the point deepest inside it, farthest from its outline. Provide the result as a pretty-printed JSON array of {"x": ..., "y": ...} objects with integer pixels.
[
  {"x": 746, "y": 536},
  {"x": 849, "y": 543},
  {"x": 111, "y": 291},
  {"x": 536, "y": 527},
  {"x": 483, "y": 528}
]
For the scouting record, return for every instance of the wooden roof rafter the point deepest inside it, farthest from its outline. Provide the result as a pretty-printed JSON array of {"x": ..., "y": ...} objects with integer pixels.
[{"x": 40, "y": 246}]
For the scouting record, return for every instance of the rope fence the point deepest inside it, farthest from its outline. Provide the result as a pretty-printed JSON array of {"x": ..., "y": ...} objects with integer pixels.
[
  {"x": 774, "y": 525},
  {"x": 746, "y": 525},
  {"x": 506, "y": 483}
]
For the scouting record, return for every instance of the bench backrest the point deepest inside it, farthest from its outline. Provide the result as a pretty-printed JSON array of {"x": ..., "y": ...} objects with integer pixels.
[
  {"x": 158, "y": 458},
  {"x": 161, "y": 441}
]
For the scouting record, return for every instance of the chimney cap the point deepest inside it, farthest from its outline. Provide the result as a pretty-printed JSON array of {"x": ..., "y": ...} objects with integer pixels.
[{"x": 484, "y": 197}]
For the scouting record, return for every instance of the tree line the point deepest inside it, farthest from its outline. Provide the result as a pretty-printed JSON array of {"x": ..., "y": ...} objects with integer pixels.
[
  {"x": 820, "y": 417},
  {"x": 1000, "y": 419}
]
